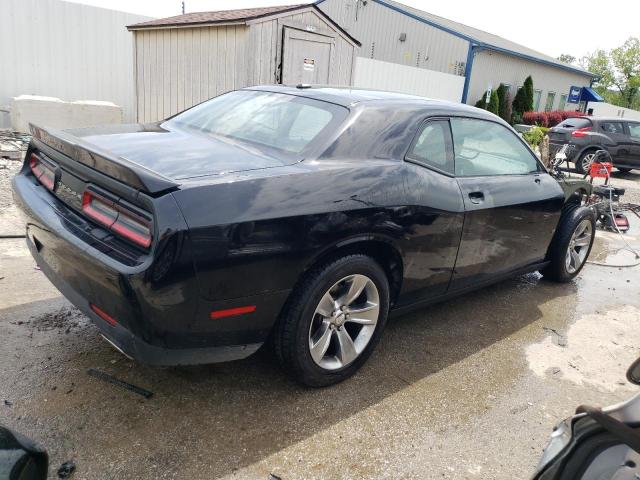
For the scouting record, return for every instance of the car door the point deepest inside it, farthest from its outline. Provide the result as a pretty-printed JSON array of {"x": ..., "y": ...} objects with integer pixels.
[
  {"x": 512, "y": 205},
  {"x": 633, "y": 158},
  {"x": 617, "y": 139},
  {"x": 435, "y": 216}
]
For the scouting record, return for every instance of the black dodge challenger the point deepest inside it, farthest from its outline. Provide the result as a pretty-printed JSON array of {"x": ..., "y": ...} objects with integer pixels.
[{"x": 294, "y": 215}]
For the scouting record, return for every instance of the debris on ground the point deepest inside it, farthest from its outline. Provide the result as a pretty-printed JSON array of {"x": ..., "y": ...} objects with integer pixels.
[
  {"x": 63, "y": 319},
  {"x": 274, "y": 477},
  {"x": 8, "y": 403},
  {"x": 558, "y": 338},
  {"x": 13, "y": 144},
  {"x": 116, "y": 381},
  {"x": 66, "y": 469}
]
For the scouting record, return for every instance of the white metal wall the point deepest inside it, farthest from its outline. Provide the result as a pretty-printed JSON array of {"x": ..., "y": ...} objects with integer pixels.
[
  {"x": 602, "y": 109},
  {"x": 265, "y": 45},
  {"x": 176, "y": 68},
  {"x": 66, "y": 50},
  {"x": 492, "y": 68},
  {"x": 180, "y": 67},
  {"x": 378, "y": 28},
  {"x": 380, "y": 75}
]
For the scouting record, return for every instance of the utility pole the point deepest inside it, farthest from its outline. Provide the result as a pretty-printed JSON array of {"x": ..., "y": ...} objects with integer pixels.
[{"x": 183, "y": 8}]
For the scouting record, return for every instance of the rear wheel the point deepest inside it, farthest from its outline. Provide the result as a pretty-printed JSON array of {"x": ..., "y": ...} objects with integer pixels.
[
  {"x": 333, "y": 321},
  {"x": 571, "y": 244},
  {"x": 584, "y": 162}
]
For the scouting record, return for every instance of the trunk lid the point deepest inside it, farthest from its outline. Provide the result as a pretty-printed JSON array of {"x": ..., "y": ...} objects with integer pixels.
[{"x": 176, "y": 154}]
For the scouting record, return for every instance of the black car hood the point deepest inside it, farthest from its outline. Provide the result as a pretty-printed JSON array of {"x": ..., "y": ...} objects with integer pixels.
[{"x": 177, "y": 154}]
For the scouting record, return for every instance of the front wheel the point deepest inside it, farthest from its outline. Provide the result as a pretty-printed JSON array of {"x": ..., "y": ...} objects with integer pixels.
[
  {"x": 571, "y": 244},
  {"x": 333, "y": 320}
]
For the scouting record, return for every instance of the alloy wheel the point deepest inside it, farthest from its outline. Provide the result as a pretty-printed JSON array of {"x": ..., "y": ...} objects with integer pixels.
[
  {"x": 586, "y": 161},
  {"x": 344, "y": 322},
  {"x": 579, "y": 246}
]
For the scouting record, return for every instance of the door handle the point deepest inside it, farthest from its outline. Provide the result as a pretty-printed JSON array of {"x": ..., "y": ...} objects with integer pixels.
[{"x": 476, "y": 197}]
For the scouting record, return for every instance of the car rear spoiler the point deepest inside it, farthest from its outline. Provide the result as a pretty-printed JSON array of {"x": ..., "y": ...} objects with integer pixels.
[{"x": 130, "y": 173}]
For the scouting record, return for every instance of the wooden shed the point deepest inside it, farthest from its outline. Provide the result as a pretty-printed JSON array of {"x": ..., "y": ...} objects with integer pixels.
[{"x": 181, "y": 61}]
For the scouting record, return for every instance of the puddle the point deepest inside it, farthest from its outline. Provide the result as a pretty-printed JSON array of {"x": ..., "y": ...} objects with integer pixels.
[{"x": 595, "y": 351}]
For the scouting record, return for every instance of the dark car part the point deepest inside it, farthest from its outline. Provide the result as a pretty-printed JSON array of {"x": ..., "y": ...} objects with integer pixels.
[
  {"x": 339, "y": 310},
  {"x": 185, "y": 240},
  {"x": 571, "y": 244},
  {"x": 21, "y": 458},
  {"x": 596, "y": 443}
]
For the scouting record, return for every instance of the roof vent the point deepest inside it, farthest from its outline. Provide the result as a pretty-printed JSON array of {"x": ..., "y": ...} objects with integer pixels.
[{"x": 303, "y": 85}]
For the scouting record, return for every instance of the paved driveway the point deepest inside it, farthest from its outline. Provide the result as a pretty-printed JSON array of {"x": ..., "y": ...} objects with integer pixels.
[{"x": 470, "y": 388}]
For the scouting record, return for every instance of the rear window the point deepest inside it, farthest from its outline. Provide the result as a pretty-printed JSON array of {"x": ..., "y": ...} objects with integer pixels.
[
  {"x": 271, "y": 122},
  {"x": 575, "y": 123}
]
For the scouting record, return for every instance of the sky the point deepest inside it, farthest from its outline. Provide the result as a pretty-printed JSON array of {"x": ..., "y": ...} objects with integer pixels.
[{"x": 549, "y": 26}]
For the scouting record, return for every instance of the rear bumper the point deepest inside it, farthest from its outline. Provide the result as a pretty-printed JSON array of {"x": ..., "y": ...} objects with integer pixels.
[
  {"x": 133, "y": 346},
  {"x": 161, "y": 317}
]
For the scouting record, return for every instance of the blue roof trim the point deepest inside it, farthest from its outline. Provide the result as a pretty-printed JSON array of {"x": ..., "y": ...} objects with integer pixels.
[
  {"x": 424, "y": 20},
  {"x": 479, "y": 43},
  {"x": 537, "y": 60}
]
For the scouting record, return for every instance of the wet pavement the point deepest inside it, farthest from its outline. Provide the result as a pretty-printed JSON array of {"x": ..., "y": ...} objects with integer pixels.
[{"x": 470, "y": 388}]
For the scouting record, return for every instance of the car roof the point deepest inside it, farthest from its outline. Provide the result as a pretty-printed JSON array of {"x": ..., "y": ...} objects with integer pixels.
[
  {"x": 609, "y": 119},
  {"x": 349, "y": 96}
]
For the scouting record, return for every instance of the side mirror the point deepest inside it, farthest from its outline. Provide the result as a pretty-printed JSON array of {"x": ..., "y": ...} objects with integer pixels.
[
  {"x": 633, "y": 374},
  {"x": 21, "y": 458}
]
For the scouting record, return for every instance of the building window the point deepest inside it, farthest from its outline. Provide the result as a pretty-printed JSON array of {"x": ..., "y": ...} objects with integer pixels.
[
  {"x": 563, "y": 102},
  {"x": 551, "y": 97},
  {"x": 537, "y": 95}
]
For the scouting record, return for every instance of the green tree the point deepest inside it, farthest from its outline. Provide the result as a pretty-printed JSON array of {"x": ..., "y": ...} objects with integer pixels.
[
  {"x": 566, "y": 58},
  {"x": 618, "y": 73},
  {"x": 504, "y": 101},
  {"x": 528, "y": 88},
  {"x": 494, "y": 103},
  {"x": 519, "y": 105}
]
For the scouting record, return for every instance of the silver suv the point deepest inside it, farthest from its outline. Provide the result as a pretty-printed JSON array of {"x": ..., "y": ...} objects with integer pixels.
[{"x": 586, "y": 135}]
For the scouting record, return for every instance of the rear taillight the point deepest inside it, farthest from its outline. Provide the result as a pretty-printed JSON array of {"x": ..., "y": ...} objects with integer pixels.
[
  {"x": 581, "y": 132},
  {"x": 44, "y": 172},
  {"x": 117, "y": 218}
]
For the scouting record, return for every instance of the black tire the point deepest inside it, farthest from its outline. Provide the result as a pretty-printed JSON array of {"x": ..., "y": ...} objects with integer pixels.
[
  {"x": 291, "y": 333},
  {"x": 624, "y": 169},
  {"x": 580, "y": 164},
  {"x": 572, "y": 217}
]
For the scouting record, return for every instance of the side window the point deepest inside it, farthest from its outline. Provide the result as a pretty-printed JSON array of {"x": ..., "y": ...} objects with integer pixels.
[
  {"x": 432, "y": 147},
  {"x": 634, "y": 130},
  {"x": 486, "y": 148},
  {"x": 612, "y": 127}
]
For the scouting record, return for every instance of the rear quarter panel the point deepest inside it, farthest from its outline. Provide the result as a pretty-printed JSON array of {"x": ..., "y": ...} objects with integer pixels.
[{"x": 256, "y": 235}]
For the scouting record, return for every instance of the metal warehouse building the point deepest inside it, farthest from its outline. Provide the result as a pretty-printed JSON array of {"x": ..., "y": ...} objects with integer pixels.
[
  {"x": 181, "y": 61},
  {"x": 417, "y": 44}
]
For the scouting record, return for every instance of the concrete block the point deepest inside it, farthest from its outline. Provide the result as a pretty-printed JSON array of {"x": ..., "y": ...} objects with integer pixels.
[{"x": 56, "y": 113}]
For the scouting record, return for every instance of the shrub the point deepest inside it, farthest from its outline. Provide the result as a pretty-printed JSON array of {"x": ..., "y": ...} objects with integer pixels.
[
  {"x": 528, "y": 88},
  {"x": 494, "y": 103},
  {"x": 554, "y": 118},
  {"x": 504, "y": 99},
  {"x": 519, "y": 105},
  {"x": 534, "y": 136},
  {"x": 548, "y": 119}
]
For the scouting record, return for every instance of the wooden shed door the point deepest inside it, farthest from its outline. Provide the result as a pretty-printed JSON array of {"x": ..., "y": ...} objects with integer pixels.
[{"x": 306, "y": 57}]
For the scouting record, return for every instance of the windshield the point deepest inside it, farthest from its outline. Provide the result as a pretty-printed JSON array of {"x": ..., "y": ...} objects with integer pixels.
[{"x": 271, "y": 122}]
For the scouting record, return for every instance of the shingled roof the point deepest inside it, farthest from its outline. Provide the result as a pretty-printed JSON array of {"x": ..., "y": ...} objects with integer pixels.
[{"x": 224, "y": 16}]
